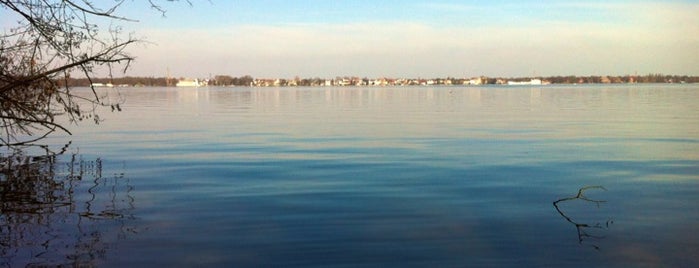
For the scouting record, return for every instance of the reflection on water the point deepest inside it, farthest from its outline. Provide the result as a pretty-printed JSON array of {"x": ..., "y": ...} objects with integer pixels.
[
  {"x": 57, "y": 209},
  {"x": 586, "y": 229}
]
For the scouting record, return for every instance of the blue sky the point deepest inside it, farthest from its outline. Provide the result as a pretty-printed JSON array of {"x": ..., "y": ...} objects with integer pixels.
[
  {"x": 414, "y": 38},
  {"x": 436, "y": 13}
]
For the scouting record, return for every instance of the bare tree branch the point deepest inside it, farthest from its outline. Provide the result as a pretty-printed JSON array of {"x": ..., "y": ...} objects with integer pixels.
[{"x": 51, "y": 40}]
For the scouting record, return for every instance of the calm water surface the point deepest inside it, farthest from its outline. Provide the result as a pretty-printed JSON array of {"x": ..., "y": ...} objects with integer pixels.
[{"x": 404, "y": 176}]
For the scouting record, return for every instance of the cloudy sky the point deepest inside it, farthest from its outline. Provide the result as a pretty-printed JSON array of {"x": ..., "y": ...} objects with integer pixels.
[{"x": 415, "y": 38}]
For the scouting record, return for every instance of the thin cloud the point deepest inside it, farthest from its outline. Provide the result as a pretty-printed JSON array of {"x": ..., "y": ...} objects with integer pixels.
[
  {"x": 447, "y": 7},
  {"x": 595, "y": 5}
]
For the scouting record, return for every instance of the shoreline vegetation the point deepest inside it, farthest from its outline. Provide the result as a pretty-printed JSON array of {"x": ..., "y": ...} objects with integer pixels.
[{"x": 249, "y": 81}]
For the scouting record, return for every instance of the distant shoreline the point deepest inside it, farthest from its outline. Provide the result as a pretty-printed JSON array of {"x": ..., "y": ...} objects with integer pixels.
[{"x": 227, "y": 81}]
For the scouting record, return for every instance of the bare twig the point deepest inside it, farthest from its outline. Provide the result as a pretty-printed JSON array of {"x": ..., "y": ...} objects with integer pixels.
[{"x": 580, "y": 227}]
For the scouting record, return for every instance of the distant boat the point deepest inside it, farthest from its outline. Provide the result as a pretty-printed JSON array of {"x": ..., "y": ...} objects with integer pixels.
[
  {"x": 530, "y": 82},
  {"x": 189, "y": 83},
  {"x": 102, "y": 85}
]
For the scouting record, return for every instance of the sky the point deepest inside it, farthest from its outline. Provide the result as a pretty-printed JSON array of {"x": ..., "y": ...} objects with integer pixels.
[{"x": 413, "y": 38}]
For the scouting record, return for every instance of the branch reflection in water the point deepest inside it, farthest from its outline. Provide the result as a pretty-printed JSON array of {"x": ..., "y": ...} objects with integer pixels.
[
  {"x": 585, "y": 229},
  {"x": 57, "y": 209}
]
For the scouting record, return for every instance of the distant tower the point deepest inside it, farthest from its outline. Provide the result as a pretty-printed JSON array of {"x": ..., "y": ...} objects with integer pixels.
[{"x": 167, "y": 82}]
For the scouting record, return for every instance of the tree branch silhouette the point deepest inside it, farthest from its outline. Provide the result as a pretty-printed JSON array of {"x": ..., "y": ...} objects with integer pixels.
[
  {"x": 581, "y": 227},
  {"x": 50, "y": 41}
]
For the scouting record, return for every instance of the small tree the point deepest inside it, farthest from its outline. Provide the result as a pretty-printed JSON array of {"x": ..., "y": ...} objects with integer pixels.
[{"x": 52, "y": 39}]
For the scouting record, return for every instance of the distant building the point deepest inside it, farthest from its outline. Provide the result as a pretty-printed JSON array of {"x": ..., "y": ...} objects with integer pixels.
[{"x": 475, "y": 81}]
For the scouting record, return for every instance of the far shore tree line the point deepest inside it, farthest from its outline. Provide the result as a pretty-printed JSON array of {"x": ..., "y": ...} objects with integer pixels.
[{"x": 247, "y": 80}]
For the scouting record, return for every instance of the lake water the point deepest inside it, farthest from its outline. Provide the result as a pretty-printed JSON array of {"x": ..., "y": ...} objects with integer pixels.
[{"x": 371, "y": 176}]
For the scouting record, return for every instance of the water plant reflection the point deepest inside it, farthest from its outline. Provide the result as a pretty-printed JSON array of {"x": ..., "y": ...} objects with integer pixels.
[
  {"x": 57, "y": 209},
  {"x": 585, "y": 229}
]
